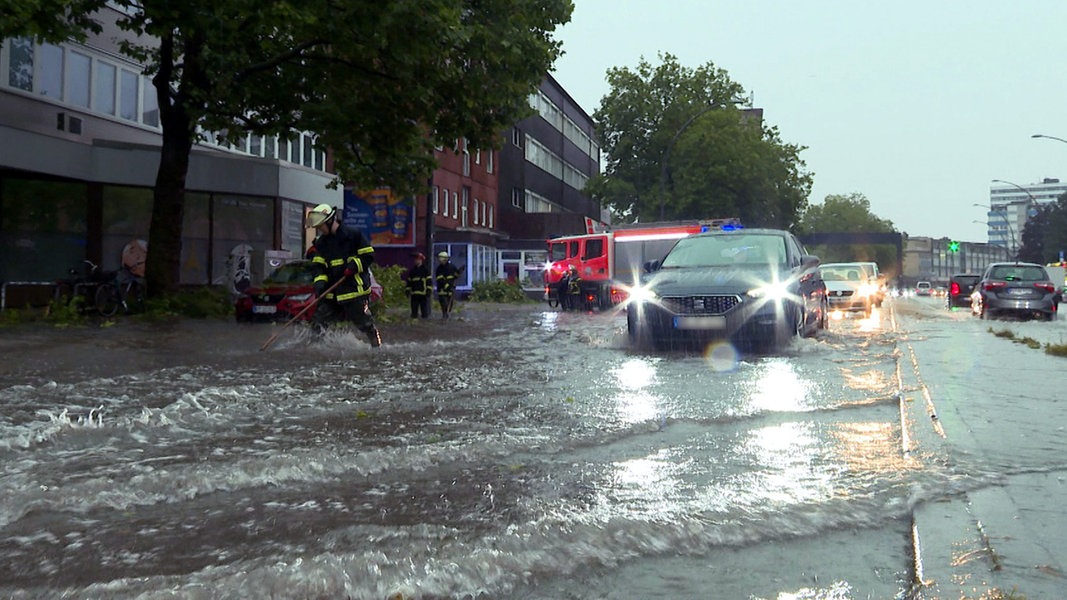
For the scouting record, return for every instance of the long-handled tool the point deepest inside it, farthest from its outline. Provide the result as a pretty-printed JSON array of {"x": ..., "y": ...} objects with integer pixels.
[{"x": 274, "y": 337}]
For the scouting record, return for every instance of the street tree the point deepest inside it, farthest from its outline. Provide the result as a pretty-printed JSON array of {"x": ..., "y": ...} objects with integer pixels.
[
  {"x": 379, "y": 83},
  {"x": 678, "y": 145},
  {"x": 848, "y": 213}
]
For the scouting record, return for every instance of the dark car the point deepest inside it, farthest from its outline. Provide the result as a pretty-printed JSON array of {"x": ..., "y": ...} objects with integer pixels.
[
  {"x": 1019, "y": 289},
  {"x": 281, "y": 296},
  {"x": 754, "y": 287},
  {"x": 960, "y": 288}
]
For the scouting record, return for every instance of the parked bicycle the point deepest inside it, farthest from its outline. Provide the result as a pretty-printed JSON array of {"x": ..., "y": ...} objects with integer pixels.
[{"x": 104, "y": 292}]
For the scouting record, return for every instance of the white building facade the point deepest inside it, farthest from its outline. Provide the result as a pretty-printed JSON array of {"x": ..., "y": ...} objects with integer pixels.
[{"x": 1010, "y": 206}]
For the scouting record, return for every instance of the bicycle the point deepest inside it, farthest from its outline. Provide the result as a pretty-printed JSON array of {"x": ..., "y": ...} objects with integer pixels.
[
  {"x": 126, "y": 291},
  {"x": 102, "y": 291}
]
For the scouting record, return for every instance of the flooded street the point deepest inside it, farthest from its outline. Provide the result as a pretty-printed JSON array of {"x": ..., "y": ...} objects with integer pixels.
[{"x": 514, "y": 452}]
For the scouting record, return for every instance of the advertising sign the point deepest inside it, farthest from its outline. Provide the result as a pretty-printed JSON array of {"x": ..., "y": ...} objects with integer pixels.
[{"x": 383, "y": 218}]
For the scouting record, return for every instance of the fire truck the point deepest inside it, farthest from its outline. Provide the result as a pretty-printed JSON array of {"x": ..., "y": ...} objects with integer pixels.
[{"x": 610, "y": 261}]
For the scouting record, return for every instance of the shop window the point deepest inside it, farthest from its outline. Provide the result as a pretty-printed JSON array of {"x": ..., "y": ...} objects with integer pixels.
[{"x": 42, "y": 229}]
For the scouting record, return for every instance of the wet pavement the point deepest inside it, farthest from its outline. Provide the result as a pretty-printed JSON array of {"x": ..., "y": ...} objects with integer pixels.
[{"x": 519, "y": 452}]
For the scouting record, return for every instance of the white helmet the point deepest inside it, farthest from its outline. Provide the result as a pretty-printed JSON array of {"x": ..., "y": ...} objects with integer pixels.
[
  {"x": 442, "y": 255},
  {"x": 321, "y": 214}
]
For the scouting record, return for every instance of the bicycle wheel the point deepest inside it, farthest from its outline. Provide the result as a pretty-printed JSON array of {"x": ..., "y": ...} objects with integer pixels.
[
  {"x": 107, "y": 300},
  {"x": 133, "y": 297}
]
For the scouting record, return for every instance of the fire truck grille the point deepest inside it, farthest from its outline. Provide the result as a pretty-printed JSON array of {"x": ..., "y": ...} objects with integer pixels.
[{"x": 701, "y": 305}]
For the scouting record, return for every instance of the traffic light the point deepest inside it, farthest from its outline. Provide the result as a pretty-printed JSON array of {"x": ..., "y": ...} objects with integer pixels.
[{"x": 953, "y": 246}]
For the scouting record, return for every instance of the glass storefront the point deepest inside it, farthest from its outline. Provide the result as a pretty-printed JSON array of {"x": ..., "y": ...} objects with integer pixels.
[{"x": 42, "y": 229}]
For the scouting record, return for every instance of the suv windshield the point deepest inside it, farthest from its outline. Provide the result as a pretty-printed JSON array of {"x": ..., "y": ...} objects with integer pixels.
[{"x": 727, "y": 250}]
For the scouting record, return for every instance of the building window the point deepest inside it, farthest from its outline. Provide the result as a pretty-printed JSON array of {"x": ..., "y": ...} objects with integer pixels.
[
  {"x": 50, "y": 71},
  {"x": 128, "y": 95},
  {"x": 455, "y": 205},
  {"x": 270, "y": 146},
  {"x": 309, "y": 150},
  {"x": 445, "y": 199},
  {"x": 484, "y": 215},
  {"x": 466, "y": 162},
  {"x": 489, "y": 161},
  {"x": 150, "y": 105},
  {"x": 491, "y": 216},
  {"x": 20, "y": 64},
  {"x": 77, "y": 78},
  {"x": 104, "y": 88},
  {"x": 466, "y": 205},
  {"x": 476, "y": 221},
  {"x": 436, "y": 193},
  {"x": 516, "y": 198},
  {"x": 516, "y": 137}
]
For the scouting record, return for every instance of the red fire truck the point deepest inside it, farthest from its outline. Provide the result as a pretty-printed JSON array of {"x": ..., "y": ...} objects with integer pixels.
[{"x": 609, "y": 262}]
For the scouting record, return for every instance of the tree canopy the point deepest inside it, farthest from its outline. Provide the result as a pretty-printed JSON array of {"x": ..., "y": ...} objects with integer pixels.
[
  {"x": 848, "y": 213},
  {"x": 1044, "y": 235},
  {"x": 677, "y": 146},
  {"x": 379, "y": 83}
]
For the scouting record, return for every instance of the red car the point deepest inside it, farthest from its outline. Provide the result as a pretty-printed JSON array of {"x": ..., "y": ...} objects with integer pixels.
[
  {"x": 284, "y": 293},
  {"x": 281, "y": 296}
]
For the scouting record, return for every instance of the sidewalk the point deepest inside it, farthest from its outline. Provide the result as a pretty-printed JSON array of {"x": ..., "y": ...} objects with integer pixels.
[{"x": 1002, "y": 409}]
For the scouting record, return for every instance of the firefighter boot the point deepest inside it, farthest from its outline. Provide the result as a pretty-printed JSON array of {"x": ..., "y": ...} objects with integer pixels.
[{"x": 374, "y": 337}]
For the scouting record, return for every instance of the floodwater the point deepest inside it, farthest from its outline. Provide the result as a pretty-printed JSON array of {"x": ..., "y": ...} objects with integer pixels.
[{"x": 513, "y": 452}]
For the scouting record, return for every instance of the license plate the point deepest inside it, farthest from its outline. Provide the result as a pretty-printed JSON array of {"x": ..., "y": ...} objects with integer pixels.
[
  {"x": 700, "y": 323},
  {"x": 264, "y": 309},
  {"x": 1019, "y": 292}
]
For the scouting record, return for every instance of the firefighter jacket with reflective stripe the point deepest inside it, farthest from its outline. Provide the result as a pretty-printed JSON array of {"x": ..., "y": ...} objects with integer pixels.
[
  {"x": 446, "y": 278},
  {"x": 337, "y": 251},
  {"x": 419, "y": 280}
]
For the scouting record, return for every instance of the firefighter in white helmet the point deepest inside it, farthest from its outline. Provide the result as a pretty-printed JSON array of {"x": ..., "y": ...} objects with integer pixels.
[
  {"x": 445, "y": 278},
  {"x": 341, "y": 255}
]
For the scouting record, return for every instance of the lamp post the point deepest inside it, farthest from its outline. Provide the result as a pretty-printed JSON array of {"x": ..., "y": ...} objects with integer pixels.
[
  {"x": 667, "y": 155},
  {"x": 986, "y": 223},
  {"x": 1048, "y": 137},
  {"x": 1011, "y": 230}
]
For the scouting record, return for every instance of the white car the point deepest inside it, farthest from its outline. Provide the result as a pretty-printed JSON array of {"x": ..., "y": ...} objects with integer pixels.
[
  {"x": 849, "y": 287},
  {"x": 923, "y": 288}
]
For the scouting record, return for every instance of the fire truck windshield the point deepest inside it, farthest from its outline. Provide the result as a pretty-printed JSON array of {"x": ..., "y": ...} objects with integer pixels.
[{"x": 557, "y": 251}]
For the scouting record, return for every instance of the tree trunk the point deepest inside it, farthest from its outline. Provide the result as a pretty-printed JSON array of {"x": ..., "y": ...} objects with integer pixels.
[{"x": 163, "y": 264}]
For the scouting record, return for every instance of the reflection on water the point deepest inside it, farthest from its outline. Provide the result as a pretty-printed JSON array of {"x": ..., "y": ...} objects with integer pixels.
[
  {"x": 776, "y": 386},
  {"x": 447, "y": 465}
]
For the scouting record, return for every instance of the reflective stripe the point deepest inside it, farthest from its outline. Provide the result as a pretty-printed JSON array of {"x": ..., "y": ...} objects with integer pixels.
[
  {"x": 337, "y": 262},
  {"x": 319, "y": 278},
  {"x": 319, "y": 260},
  {"x": 351, "y": 296},
  {"x": 365, "y": 250},
  {"x": 358, "y": 263}
]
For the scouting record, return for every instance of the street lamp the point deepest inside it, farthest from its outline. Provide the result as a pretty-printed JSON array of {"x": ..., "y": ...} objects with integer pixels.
[
  {"x": 667, "y": 154},
  {"x": 1049, "y": 137},
  {"x": 987, "y": 224},
  {"x": 1003, "y": 211}
]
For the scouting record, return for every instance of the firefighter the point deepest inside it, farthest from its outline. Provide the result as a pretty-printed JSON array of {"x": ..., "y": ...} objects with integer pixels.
[
  {"x": 446, "y": 283},
  {"x": 418, "y": 287},
  {"x": 573, "y": 292},
  {"x": 341, "y": 255}
]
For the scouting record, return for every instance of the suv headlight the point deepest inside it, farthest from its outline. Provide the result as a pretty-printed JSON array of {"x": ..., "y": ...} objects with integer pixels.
[{"x": 770, "y": 291}]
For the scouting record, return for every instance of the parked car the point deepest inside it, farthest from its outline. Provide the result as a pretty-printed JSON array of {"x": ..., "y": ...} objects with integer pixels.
[
  {"x": 960, "y": 288},
  {"x": 1019, "y": 289},
  {"x": 923, "y": 288},
  {"x": 284, "y": 293},
  {"x": 757, "y": 288},
  {"x": 849, "y": 287}
]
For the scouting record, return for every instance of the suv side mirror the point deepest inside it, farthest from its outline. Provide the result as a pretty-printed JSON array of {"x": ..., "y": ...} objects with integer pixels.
[{"x": 651, "y": 266}]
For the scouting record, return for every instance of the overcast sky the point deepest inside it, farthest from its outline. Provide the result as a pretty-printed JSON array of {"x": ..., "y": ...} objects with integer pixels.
[{"x": 916, "y": 104}]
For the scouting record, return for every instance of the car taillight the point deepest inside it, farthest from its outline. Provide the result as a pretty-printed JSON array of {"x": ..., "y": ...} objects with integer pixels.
[
  {"x": 989, "y": 286},
  {"x": 1048, "y": 287},
  {"x": 954, "y": 289}
]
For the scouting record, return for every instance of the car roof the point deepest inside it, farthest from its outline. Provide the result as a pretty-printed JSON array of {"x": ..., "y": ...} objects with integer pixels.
[{"x": 1015, "y": 264}]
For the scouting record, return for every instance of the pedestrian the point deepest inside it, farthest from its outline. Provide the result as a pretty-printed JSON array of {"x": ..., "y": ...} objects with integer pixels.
[
  {"x": 445, "y": 278},
  {"x": 561, "y": 290},
  {"x": 341, "y": 255},
  {"x": 418, "y": 287}
]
